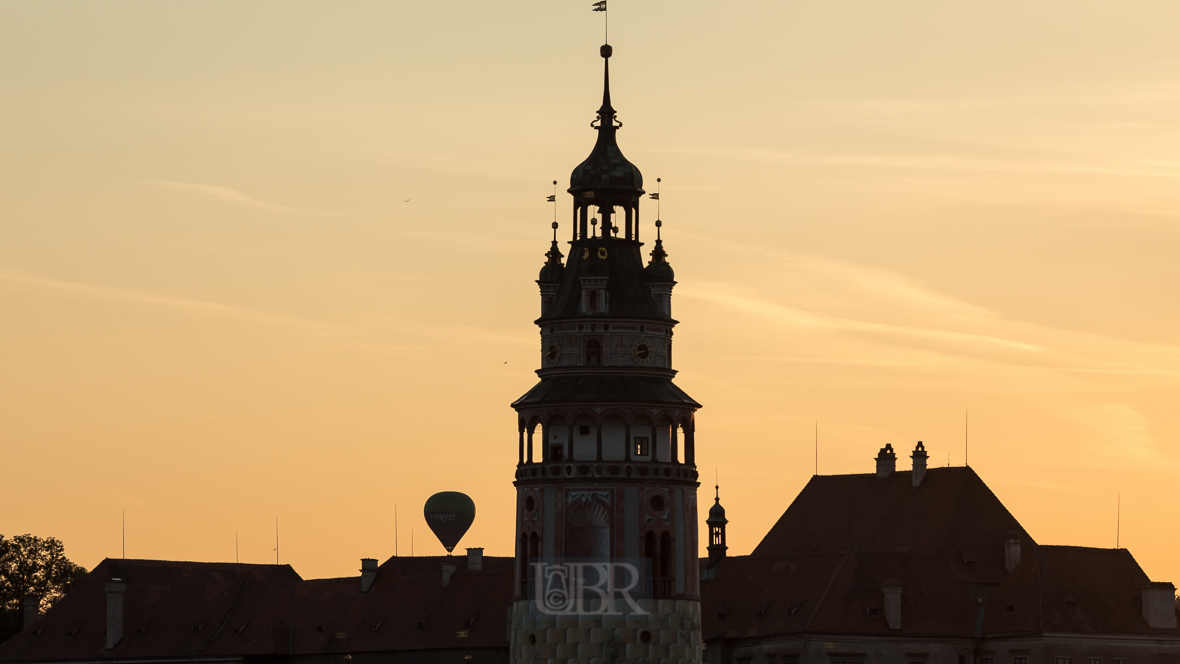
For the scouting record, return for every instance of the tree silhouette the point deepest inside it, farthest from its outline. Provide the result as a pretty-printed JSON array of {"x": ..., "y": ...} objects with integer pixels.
[{"x": 32, "y": 565}]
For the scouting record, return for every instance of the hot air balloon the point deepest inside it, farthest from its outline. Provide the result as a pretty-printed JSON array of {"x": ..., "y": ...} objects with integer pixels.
[{"x": 449, "y": 514}]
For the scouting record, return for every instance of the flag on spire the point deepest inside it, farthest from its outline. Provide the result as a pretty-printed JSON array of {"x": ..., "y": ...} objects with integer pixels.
[
  {"x": 655, "y": 196},
  {"x": 551, "y": 199},
  {"x": 600, "y": 6}
]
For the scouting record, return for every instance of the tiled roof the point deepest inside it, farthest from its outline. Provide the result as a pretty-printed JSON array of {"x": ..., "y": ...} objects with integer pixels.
[
  {"x": 952, "y": 515},
  {"x": 179, "y": 609},
  {"x": 821, "y": 568},
  {"x": 832, "y": 594},
  {"x": 1072, "y": 589},
  {"x": 606, "y": 389}
]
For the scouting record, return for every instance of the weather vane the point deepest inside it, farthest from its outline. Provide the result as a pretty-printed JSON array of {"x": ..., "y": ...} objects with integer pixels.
[
  {"x": 656, "y": 197},
  {"x": 553, "y": 199},
  {"x": 600, "y": 6}
]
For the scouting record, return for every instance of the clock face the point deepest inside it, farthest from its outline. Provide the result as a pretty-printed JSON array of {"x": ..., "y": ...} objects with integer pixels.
[
  {"x": 642, "y": 351},
  {"x": 551, "y": 354}
]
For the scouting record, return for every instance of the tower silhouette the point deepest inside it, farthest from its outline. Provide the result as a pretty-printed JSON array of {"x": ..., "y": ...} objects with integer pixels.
[{"x": 606, "y": 478}]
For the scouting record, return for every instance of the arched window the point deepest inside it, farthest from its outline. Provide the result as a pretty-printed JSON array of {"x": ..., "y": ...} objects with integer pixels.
[
  {"x": 534, "y": 428},
  {"x": 593, "y": 352},
  {"x": 649, "y": 559},
  {"x": 556, "y": 439},
  {"x": 666, "y": 569},
  {"x": 592, "y": 301},
  {"x": 585, "y": 439},
  {"x": 614, "y": 438}
]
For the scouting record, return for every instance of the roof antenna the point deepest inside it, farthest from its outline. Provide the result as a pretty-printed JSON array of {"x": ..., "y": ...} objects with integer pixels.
[
  {"x": 124, "y": 534},
  {"x": 395, "y": 530},
  {"x": 236, "y": 557},
  {"x": 600, "y": 6},
  {"x": 276, "y": 540},
  {"x": 817, "y": 447},
  {"x": 965, "y": 448},
  {"x": 1118, "y": 520}
]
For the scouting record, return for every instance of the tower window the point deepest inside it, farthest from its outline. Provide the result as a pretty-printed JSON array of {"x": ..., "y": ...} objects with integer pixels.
[
  {"x": 642, "y": 448},
  {"x": 592, "y": 301},
  {"x": 593, "y": 352},
  {"x": 555, "y": 453},
  {"x": 584, "y": 430}
]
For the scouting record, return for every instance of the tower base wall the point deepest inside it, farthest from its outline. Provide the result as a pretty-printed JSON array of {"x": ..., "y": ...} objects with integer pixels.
[{"x": 669, "y": 631}]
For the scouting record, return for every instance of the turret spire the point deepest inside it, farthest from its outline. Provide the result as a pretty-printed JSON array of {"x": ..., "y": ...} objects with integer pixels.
[{"x": 607, "y": 112}]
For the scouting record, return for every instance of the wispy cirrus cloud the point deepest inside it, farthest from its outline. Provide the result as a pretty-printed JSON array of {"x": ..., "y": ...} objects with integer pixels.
[
  {"x": 200, "y": 307},
  {"x": 225, "y": 194},
  {"x": 850, "y": 313}
]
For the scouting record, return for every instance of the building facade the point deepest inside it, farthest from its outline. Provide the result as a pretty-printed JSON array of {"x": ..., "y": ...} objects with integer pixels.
[
  {"x": 926, "y": 566},
  {"x": 606, "y": 478}
]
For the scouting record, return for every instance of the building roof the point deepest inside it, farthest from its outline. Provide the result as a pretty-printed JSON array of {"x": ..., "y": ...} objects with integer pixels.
[
  {"x": 603, "y": 388},
  {"x": 1072, "y": 589},
  {"x": 620, "y": 262},
  {"x": 952, "y": 515},
  {"x": 187, "y": 609},
  {"x": 822, "y": 566},
  {"x": 832, "y": 593}
]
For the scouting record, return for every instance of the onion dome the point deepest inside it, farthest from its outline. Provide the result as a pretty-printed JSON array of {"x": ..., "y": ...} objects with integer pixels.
[
  {"x": 606, "y": 175},
  {"x": 552, "y": 270},
  {"x": 717, "y": 512},
  {"x": 658, "y": 270}
]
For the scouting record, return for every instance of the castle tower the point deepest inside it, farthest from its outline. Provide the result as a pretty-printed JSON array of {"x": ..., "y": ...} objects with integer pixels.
[{"x": 606, "y": 529}]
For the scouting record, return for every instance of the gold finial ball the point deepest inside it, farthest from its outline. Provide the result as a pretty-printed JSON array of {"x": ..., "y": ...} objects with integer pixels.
[
  {"x": 659, "y": 223},
  {"x": 658, "y": 180},
  {"x": 555, "y": 182},
  {"x": 606, "y": 51},
  {"x": 555, "y": 225}
]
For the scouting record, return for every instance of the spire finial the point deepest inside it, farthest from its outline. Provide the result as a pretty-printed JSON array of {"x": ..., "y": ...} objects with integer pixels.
[{"x": 606, "y": 114}]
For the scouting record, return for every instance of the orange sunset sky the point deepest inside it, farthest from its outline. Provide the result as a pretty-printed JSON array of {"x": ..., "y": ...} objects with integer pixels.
[{"x": 276, "y": 259}]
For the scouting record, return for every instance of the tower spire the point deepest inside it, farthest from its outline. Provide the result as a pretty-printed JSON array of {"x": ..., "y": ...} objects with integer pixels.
[{"x": 606, "y": 113}]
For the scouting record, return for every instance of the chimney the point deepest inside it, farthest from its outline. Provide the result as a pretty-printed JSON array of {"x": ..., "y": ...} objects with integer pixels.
[
  {"x": 115, "y": 590},
  {"x": 892, "y": 591},
  {"x": 32, "y": 609},
  {"x": 1159, "y": 605},
  {"x": 1011, "y": 551},
  {"x": 919, "y": 457},
  {"x": 474, "y": 558},
  {"x": 886, "y": 461},
  {"x": 368, "y": 573},
  {"x": 448, "y": 570}
]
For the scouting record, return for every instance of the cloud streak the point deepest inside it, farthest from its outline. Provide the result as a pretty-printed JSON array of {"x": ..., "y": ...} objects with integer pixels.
[
  {"x": 224, "y": 194},
  {"x": 860, "y": 314},
  {"x": 200, "y": 307}
]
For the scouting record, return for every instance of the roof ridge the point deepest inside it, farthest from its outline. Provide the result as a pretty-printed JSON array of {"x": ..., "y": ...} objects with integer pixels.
[{"x": 1086, "y": 548}]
